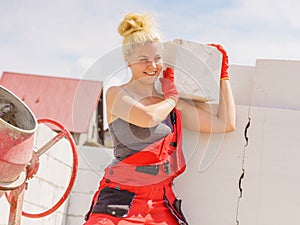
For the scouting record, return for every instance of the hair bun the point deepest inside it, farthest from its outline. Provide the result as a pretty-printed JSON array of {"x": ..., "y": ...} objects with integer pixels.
[{"x": 133, "y": 22}]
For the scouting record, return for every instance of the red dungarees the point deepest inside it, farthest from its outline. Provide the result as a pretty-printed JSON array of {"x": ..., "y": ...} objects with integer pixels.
[{"x": 138, "y": 189}]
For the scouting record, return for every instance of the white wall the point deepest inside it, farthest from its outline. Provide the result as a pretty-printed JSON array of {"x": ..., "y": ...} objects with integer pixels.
[
  {"x": 272, "y": 157},
  {"x": 253, "y": 180}
]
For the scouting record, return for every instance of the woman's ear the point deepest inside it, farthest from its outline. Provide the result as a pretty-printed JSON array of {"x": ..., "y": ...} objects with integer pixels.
[{"x": 127, "y": 61}]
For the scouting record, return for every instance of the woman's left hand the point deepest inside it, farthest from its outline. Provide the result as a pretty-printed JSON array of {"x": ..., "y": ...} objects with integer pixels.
[{"x": 224, "y": 69}]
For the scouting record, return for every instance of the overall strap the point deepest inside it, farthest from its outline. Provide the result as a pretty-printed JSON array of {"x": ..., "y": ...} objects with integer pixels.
[{"x": 158, "y": 162}]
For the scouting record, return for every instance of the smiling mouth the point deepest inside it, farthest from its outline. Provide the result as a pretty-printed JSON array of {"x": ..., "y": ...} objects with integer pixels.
[{"x": 151, "y": 73}]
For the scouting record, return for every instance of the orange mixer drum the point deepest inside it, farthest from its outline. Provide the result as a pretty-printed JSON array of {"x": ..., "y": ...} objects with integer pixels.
[{"x": 17, "y": 128}]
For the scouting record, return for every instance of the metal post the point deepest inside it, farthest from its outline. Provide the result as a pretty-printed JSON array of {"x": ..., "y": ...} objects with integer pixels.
[{"x": 16, "y": 204}]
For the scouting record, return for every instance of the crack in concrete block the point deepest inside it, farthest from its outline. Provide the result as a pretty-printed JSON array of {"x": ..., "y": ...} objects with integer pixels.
[
  {"x": 243, "y": 170},
  {"x": 246, "y": 132},
  {"x": 240, "y": 183}
]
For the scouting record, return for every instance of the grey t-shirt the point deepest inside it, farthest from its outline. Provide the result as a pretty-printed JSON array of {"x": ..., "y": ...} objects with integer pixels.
[{"x": 129, "y": 138}]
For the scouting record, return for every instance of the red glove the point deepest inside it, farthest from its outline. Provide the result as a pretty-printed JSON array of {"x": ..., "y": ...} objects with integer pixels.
[
  {"x": 168, "y": 85},
  {"x": 224, "y": 72}
]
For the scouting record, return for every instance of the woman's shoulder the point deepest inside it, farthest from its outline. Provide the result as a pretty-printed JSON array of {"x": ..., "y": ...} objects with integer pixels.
[
  {"x": 114, "y": 91},
  {"x": 110, "y": 96}
]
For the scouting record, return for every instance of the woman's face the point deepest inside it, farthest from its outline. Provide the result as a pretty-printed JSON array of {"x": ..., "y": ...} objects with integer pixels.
[{"x": 146, "y": 62}]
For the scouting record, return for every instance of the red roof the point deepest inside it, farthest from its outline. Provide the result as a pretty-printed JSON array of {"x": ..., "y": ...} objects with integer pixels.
[{"x": 68, "y": 101}]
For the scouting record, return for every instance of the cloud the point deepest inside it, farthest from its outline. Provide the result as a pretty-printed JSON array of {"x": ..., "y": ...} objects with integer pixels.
[
  {"x": 61, "y": 38},
  {"x": 265, "y": 29},
  {"x": 51, "y": 36},
  {"x": 249, "y": 29}
]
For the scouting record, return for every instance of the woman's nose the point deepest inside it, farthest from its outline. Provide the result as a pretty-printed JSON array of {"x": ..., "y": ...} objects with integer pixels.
[{"x": 152, "y": 64}]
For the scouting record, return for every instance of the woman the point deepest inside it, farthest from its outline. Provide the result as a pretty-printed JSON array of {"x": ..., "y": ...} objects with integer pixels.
[{"x": 146, "y": 129}]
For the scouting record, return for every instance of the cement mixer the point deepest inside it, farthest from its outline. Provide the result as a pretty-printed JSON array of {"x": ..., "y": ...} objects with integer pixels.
[{"x": 18, "y": 161}]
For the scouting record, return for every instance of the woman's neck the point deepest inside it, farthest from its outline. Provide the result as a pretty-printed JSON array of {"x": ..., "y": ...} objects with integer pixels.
[{"x": 141, "y": 91}]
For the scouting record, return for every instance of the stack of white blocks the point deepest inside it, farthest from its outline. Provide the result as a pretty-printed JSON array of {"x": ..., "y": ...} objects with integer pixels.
[{"x": 254, "y": 178}]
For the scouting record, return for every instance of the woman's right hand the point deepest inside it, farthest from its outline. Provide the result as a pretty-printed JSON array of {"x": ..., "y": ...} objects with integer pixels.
[{"x": 168, "y": 84}]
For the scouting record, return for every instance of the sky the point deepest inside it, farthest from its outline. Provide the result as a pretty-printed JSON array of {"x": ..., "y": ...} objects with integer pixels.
[{"x": 65, "y": 37}]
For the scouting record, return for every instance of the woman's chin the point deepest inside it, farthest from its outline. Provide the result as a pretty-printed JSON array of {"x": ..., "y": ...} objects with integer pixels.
[{"x": 149, "y": 79}]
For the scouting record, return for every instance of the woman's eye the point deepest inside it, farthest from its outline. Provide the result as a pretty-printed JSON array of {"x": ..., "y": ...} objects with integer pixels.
[
  {"x": 144, "y": 60},
  {"x": 158, "y": 59}
]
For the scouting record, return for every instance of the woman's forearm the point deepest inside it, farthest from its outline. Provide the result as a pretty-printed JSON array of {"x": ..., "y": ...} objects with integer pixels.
[{"x": 227, "y": 109}]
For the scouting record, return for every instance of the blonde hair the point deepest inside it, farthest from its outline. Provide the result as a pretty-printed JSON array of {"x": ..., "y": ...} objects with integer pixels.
[{"x": 137, "y": 29}]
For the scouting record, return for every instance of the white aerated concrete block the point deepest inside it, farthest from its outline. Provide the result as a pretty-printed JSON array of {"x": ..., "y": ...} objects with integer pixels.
[
  {"x": 271, "y": 186},
  {"x": 241, "y": 80},
  {"x": 276, "y": 84},
  {"x": 210, "y": 195}
]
